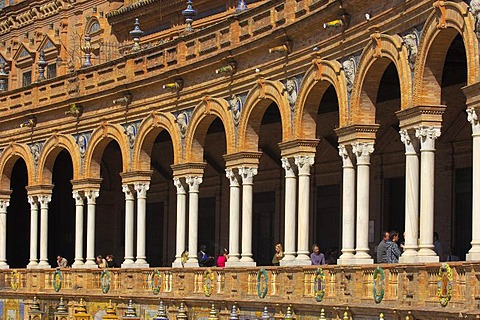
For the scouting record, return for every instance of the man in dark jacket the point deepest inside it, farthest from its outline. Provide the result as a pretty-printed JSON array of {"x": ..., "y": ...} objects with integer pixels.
[{"x": 382, "y": 248}]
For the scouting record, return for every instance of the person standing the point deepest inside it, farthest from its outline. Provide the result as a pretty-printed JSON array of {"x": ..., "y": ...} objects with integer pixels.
[
  {"x": 316, "y": 256},
  {"x": 382, "y": 249},
  {"x": 62, "y": 262},
  {"x": 393, "y": 251},
  {"x": 102, "y": 263},
  {"x": 222, "y": 258},
  {"x": 278, "y": 254}
]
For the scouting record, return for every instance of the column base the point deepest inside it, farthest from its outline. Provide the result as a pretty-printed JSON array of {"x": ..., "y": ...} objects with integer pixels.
[
  {"x": 234, "y": 264},
  {"x": 78, "y": 264},
  {"x": 43, "y": 265},
  {"x": 4, "y": 266},
  {"x": 346, "y": 261},
  {"x": 428, "y": 259},
  {"x": 288, "y": 257},
  {"x": 127, "y": 264},
  {"x": 91, "y": 264},
  {"x": 473, "y": 256},
  {"x": 234, "y": 257},
  {"x": 296, "y": 262},
  {"x": 141, "y": 264},
  {"x": 177, "y": 263},
  {"x": 32, "y": 265},
  {"x": 347, "y": 254},
  {"x": 408, "y": 259},
  {"x": 191, "y": 264}
]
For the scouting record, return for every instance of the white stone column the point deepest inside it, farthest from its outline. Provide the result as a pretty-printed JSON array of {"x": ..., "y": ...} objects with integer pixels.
[
  {"x": 181, "y": 214},
  {"x": 290, "y": 211},
  {"x": 410, "y": 254},
  {"x": 33, "y": 232},
  {"x": 474, "y": 253},
  {"x": 141, "y": 189},
  {"x": 44, "y": 201},
  {"x": 304, "y": 164},
  {"x": 129, "y": 225},
  {"x": 3, "y": 233},
  {"x": 234, "y": 229},
  {"x": 362, "y": 151},
  {"x": 427, "y": 137},
  {"x": 247, "y": 175},
  {"x": 193, "y": 187},
  {"x": 348, "y": 207},
  {"x": 79, "y": 204},
  {"x": 91, "y": 196}
]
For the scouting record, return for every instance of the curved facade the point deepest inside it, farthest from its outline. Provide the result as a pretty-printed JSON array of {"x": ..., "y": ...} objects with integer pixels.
[{"x": 230, "y": 135}]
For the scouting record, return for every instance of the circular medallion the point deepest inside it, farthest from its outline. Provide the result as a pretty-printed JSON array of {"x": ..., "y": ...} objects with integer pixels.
[
  {"x": 319, "y": 285},
  {"x": 105, "y": 280},
  {"x": 208, "y": 282},
  {"x": 444, "y": 284},
  {"x": 15, "y": 280},
  {"x": 156, "y": 281},
  {"x": 378, "y": 285},
  {"x": 57, "y": 280},
  {"x": 262, "y": 283}
]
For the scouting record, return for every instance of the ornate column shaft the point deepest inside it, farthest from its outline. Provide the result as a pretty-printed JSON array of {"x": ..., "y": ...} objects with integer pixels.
[
  {"x": 4, "y": 203},
  {"x": 234, "y": 229},
  {"x": 303, "y": 163},
  {"x": 181, "y": 214},
  {"x": 474, "y": 253},
  {"x": 362, "y": 151},
  {"x": 129, "y": 224},
  {"x": 247, "y": 174},
  {"x": 141, "y": 189},
  {"x": 193, "y": 189},
  {"x": 33, "y": 200},
  {"x": 79, "y": 204},
  {"x": 91, "y": 196},
  {"x": 427, "y": 137},
  {"x": 411, "y": 197},
  {"x": 44, "y": 201},
  {"x": 290, "y": 211},
  {"x": 348, "y": 207}
]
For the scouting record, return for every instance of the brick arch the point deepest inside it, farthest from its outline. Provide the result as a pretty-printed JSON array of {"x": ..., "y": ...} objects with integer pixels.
[
  {"x": 52, "y": 147},
  {"x": 447, "y": 20},
  {"x": 148, "y": 131},
  {"x": 382, "y": 50},
  {"x": 203, "y": 115},
  {"x": 258, "y": 99},
  {"x": 97, "y": 144},
  {"x": 9, "y": 157},
  {"x": 316, "y": 81}
]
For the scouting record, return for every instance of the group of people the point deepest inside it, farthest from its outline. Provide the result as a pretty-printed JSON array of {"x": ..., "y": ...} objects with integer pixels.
[
  {"x": 206, "y": 260},
  {"x": 107, "y": 262},
  {"x": 316, "y": 257},
  {"x": 390, "y": 248}
]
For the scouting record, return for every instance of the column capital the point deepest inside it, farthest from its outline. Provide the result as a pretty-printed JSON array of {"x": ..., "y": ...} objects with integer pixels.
[
  {"x": 232, "y": 177},
  {"x": 287, "y": 165},
  {"x": 79, "y": 197},
  {"x": 33, "y": 201},
  {"x": 247, "y": 174},
  {"x": 142, "y": 188},
  {"x": 427, "y": 137},
  {"x": 129, "y": 191},
  {"x": 44, "y": 200},
  {"x": 345, "y": 155},
  {"x": 177, "y": 182},
  {"x": 92, "y": 195},
  {"x": 304, "y": 163},
  {"x": 193, "y": 183},
  {"x": 409, "y": 140},
  {"x": 362, "y": 151},
  {"x": 4, "y": 203},
  {"x": 472, "y": 117}
]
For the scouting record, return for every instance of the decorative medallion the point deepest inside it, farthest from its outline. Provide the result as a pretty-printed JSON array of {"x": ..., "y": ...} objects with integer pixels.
[
  {"x": 319, "y": 285},
  {"x": 262, "y": 283},
  {"x": 444, "y": 284},
  {"x": 378, "y": 284},
  {"x": 57, "y": 280},
  {"x": 14, "y": 282},
  {"x": 208, "y": 282},
  {"x": 105, "y": 280},
  {"x": 156, "y": 281}
]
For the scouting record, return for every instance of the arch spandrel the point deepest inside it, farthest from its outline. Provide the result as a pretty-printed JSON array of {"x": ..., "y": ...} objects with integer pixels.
[
  {"x": 99, "y": 140},
  {"x": 148, "y": 131},
  {"x": 316, "y": 81},
  {"x": 446, "y": 21},
  {"x": 9, "y": 157},
  {"x": 50, "y": 150},
  {"x": 202, "y": 117},
  {"x": 382, "y": 50},
  {"x": 258, "y": 99}
]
